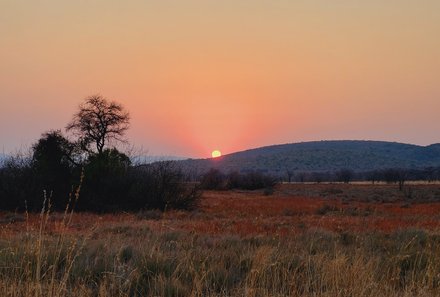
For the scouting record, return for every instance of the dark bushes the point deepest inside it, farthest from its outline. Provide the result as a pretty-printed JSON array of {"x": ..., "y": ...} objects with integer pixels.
[
  {"x": 110, "y": 183},
  {"x": 25, "y": 182},
  {"x": 250, "y": 181},
  {"x": 161, "y": 186},
  {"x": 344, "y": 175},
  {"x": 17, "y": 184},
  {"x": 106, "y": 182},
  {"x": 53, "y": 167},
  {"x": 215, "y": 180}
]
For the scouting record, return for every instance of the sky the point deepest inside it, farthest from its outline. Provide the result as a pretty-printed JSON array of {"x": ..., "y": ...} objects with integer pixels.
[{"x": 229, "y": 75}]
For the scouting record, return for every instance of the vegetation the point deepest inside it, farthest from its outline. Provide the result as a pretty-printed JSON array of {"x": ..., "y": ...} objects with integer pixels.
[
  {"x": 131, "y": 237},
  {"x": 236, "y": 244},
  {"x": 99, "y": 122},
  {"x": 322, "y": 157},
  {"x": 110, "y": 182},
  {"x": 216, "y": 180}
]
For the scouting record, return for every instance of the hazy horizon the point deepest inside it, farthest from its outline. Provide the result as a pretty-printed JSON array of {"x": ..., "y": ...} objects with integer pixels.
[{"x": 232, "y": 75}]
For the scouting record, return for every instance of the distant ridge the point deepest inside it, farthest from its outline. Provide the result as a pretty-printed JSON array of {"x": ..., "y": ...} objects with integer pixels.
[
  {"x": 358, "y": 155},
  {"x": 147, "y": 159}
]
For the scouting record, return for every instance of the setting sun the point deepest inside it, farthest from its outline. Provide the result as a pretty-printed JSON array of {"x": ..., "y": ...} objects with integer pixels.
[{"x": 216, "y": 154}]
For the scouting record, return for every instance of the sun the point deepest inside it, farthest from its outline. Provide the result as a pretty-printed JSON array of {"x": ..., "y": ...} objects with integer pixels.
[{"x": 216, "y": 154}]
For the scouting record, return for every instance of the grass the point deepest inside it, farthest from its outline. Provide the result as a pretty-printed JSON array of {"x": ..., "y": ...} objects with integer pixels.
[{"x": 238, "y": 244}]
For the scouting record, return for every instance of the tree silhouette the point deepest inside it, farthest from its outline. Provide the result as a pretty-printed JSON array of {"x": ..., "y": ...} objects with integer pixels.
[
  {"x": 52, "y": 165},
  {"x": 52, "y": 151},
  {"x": 99, "y": 122}
]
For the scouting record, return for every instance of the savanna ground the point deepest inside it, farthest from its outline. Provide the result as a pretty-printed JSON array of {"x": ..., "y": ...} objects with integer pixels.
[{"x": 302, "y": 240}]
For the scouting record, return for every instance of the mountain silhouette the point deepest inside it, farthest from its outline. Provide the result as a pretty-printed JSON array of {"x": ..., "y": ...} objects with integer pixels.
[{"x": 316, "y": 156}]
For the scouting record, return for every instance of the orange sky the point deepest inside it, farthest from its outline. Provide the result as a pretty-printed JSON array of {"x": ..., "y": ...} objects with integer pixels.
[{"x": 230, "y": 75}]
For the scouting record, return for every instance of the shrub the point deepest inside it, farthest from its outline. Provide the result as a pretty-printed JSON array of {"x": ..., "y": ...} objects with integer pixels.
[
  {"x": 152, "y": 214},
  {"x": 251, "y": 181},
  {"x": 326, "y": 209},
  {"x": 18, "y": 187},
  {"x": 53, "y": 167},
  {"x": 213, "y": 180},
  {"x": 344, "y": 175},
  {"x": 110, "y": 184},
  {"x": 106, "y": 181},
  {"x": 161, "y": 186}
]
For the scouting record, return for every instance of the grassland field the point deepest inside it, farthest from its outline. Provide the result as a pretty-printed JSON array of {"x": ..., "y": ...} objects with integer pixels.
[{"x": 301, "y": 240}]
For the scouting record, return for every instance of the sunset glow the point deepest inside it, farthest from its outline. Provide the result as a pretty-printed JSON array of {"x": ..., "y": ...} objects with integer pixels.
[
  {"x": 216, "y": 154},
  {"x": 241, "y": 73}
]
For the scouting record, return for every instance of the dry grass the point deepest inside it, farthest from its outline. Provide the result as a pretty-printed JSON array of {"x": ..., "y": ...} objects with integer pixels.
[{"x": 237, "y": 244}]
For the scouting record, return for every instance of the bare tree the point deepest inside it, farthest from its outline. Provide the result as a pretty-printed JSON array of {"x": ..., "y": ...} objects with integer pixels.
[{"x": 99, "y": 122}]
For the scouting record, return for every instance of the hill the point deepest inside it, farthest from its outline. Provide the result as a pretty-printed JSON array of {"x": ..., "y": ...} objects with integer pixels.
[
  {"x": 148, "y": 159},
  {"x": 320, "y": 156}
]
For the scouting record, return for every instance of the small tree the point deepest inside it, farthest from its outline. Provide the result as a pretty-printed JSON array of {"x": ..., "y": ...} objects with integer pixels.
[
  {"x": 290, "y": 175},
  {"x": 52, "y": 152},
  {"x": 301, "y": 177},
  {"x": 213, "y": 180},
  {"x": 99, "y": 122},
  {"x": 344, "y": 175},
  {"x": 373, "y": 176},
  {"x": 106, "y": 181},
  {"x": 52, "y": 164},
  {"x": 402, "y": 175}
]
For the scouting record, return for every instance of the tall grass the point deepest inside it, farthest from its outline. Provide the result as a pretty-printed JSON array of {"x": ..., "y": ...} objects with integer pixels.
[
  {"x": 125, "y": 259},
  {"x": 133, "y": 259}
]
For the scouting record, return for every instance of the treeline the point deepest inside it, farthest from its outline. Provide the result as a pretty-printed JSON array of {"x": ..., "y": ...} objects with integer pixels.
[
  {"x": 388, "y": 175},
  {"x": 89, "y": 173},
  {"x": 214, "y": 179}
]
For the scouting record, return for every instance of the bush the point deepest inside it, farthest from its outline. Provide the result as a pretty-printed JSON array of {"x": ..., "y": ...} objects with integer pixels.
[
  {"x": 161, "y": 186},
  {"x": 106, "y": 181},
  {"x": 18, "y": 186},
  {"x": 53, "y": 167},
  {"x": 215, "y": 180},
  {"x": 152, "y": 214},
  {"x": 250, "y": 181},
  {"x": 344, "y": 175},
  {"x": 25, "y": 181},
  {"x": 110, "y": 184}
]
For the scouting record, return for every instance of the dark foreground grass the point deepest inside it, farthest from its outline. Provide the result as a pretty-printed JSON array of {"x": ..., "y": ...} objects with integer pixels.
[
  {"x": 232, "y": 246},
  {"x": 122, "y": 259}
]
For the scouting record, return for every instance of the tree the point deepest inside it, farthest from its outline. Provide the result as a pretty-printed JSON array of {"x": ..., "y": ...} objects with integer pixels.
[
  {"x": 99, "y": 122},
  {"x": 213, "y": 180},
  {"x": 396, "y": 175},
  {"x": 301, "y": 176},
  {"x": 290, "y": 175},
  {"x": 105, "y": 181},
  {"x": 402, "y": 175},
  {"x": 52, "y": 151},
  {"x": 52, "y": 163},
  {"x": 373, "y": 176},
  {"x": 345, "y": 175}
]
